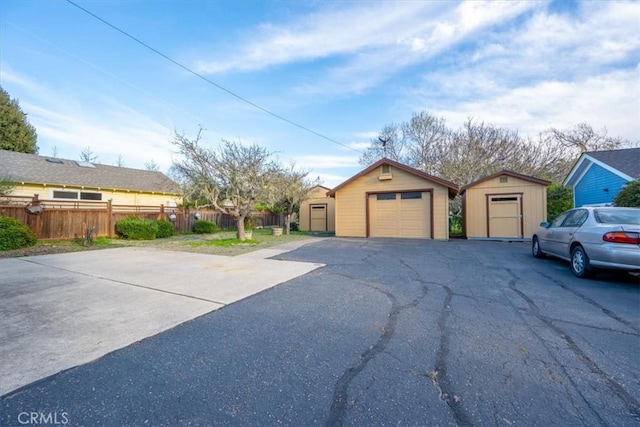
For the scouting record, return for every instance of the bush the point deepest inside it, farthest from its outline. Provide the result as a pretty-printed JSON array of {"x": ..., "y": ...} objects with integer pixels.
[
  {"x": 629, "y": 196},
  {"x": 293, "y": 226},
  {"x": 15, "y": 235},
  {"x": 204, "y": 227},
  {"x": 559, "y": 199},
  {"x": 136, "y": 228},
  {"x": 165, "y": 228}
]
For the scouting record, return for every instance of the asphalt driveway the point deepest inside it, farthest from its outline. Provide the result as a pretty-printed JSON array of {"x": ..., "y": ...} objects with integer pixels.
[{"x": 388, "y": 332}]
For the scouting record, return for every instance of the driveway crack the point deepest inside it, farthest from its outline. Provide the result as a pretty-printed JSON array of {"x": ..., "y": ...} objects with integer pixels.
[
  {"x": 629, "y": 401},
  {"x": 340, "y": 402}
]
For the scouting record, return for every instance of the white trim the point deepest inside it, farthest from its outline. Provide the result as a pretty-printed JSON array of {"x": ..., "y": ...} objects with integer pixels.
[{"x": 586, "y": 157}]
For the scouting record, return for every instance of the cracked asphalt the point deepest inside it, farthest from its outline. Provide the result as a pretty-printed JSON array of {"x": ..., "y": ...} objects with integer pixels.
[{"x": 390, "y": 332}]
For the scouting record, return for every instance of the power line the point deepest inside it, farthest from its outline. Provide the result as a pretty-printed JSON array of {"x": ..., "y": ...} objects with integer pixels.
[{"x": 195, "y": 73}]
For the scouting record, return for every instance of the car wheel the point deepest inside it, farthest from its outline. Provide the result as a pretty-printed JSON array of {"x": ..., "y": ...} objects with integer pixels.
[
  {"x": 535, "y": 248},
  {"x": 580, "y": 263}
]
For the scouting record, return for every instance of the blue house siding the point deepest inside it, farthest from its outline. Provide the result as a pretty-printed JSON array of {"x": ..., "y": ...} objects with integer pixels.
[{"x": 590, "y": 188}]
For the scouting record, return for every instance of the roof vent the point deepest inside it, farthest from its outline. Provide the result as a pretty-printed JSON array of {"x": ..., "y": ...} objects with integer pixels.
[
  {"x": 85, "y": 164},
  {"x": 52, "y": 160}
]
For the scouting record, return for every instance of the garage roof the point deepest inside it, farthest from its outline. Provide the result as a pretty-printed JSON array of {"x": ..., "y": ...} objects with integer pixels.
[
  {"x": 508, "y": 173},
  {"x": 453, "y": 188}
]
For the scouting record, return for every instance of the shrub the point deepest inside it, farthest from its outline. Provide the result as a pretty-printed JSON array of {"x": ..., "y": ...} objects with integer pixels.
[
  {"x": 629, "y": 196},
  {"x": 559, "y": 199},
  {"x": 15, "y": 235},
  {"x": 293, "y": 226},
  {"x": 204, "y": 227},
  {"x": 165, "y": 228},
  {"x": 136, "y": 228}
]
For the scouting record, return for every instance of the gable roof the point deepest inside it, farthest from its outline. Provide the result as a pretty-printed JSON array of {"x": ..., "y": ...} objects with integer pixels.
[
  {"x": 624, "y": 163},
  {"x": 507, "y": 173},
  {"x": 33, "y": 169},
  {"x": 453, "y": 188}
]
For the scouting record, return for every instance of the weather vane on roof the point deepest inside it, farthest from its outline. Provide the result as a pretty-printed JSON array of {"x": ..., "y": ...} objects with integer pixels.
[{"x": 384, "y": 145}]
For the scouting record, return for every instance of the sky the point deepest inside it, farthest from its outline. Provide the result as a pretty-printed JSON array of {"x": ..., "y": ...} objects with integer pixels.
[{"x": 311, "y": 81}]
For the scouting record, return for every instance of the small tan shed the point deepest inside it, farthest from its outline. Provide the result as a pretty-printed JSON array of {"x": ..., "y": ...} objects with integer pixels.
[
  {"x": 505, "y": 205},
  {"x": 318, "y": 213},
  {"x": 389, "y": 199}
]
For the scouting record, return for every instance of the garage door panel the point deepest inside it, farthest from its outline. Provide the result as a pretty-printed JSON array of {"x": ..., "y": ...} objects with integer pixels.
[{"x": 406, "y": 215}]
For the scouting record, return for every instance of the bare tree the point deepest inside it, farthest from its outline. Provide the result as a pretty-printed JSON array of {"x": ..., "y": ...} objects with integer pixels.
[
  {"x": 151, "y": 166},
  {"x": 583, "y": 138},
  {"x": 54, "y": 151},
  {"x": 6, "y": 186},
  {"x": 478, "y": 149},
  {"x": 390, "y": 144},
  {"x": 290, "y": 188},
  {"x": 233, "y": 177},
  {"x": 87, "y": 155},
  {"x": 120, "y": 161}
]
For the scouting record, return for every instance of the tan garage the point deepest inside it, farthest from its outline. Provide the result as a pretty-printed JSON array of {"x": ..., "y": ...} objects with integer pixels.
[
  {"x": 389, "y": 199},
  {"x": 505, "y": 205},
  {"x": 318, "y": 212}
]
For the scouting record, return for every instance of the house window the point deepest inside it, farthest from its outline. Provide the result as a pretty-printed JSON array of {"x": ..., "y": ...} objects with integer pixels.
[
  {"x": 90, "y": 196},
  {"x": 385, "y": 168},
  {"x": 386, "y": 196},
  {"x": 504, "y": 179},
  {"x": 70, "y": 195},
  {"x": 411, "y": 195}
]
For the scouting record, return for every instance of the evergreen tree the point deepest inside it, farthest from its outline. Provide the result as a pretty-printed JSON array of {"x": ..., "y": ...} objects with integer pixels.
[{"x": 16, "y": 133}]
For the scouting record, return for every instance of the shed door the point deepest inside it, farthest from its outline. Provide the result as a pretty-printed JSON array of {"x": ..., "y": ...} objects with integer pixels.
[
  {"x": 400, "y": 215},
  {"x": 505, "y": 216},
  {"x": 318, "y": 217}
]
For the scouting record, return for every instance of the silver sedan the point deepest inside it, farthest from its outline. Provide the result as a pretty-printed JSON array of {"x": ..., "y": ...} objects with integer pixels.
[{"x": 591, "y": 238}]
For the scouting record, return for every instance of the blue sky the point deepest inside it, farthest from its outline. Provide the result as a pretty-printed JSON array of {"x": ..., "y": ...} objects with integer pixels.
[{"x": 343, "y": 69}]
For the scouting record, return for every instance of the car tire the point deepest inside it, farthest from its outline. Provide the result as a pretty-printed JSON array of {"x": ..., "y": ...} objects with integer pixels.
[
  {"x": 580, "y": 263},
  {"x": 535, "y": 248}
]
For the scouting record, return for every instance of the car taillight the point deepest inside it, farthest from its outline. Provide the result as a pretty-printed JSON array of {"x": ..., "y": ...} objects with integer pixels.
[{"x": 622, "y": 237}]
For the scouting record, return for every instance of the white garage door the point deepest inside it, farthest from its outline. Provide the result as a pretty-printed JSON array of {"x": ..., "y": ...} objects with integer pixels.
[{"x": 400, "y": 215}]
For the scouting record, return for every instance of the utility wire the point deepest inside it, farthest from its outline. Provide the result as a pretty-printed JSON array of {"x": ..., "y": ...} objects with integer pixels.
[{"x": 195, "y": 73}]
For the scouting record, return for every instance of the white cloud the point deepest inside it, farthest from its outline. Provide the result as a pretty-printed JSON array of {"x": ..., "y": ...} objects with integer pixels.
[
  {"x": 366, "y": 43},
  {"x": 609, "y": 100},
  {"x": 552, "y": 70},
  {"x": 315, "y": 162}
]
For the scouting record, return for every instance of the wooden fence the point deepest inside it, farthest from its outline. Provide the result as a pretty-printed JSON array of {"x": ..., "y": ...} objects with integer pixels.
[{"x": 60, "y": 219}]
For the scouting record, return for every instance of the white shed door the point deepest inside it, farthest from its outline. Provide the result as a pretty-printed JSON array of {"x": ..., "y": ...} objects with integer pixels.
[
  {"x": 405, "y": 215},
  {"x": 504, "y": 216},
  {"x": 318, "y": 217}
]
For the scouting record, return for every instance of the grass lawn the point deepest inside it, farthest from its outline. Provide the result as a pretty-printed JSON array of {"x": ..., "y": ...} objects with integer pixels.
[{"x": 220, "y": 243}]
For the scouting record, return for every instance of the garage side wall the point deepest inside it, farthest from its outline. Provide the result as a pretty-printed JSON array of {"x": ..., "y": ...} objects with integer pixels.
[
  {"x": 318, "y": 197},
  {"x": 534, "y": 205},
  {"x": 351, "y": 201}
]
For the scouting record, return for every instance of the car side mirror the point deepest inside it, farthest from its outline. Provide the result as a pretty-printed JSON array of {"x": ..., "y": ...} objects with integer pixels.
[{"x": 544, "y": 224}]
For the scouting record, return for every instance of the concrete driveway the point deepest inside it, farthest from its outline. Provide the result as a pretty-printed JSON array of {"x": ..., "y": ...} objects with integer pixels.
[
  {"x": 60, "y": 311},
  {"x": 389, "y": 332}
]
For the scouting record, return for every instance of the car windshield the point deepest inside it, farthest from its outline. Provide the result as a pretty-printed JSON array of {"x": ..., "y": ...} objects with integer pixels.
[{"x": 618, "y": 216}]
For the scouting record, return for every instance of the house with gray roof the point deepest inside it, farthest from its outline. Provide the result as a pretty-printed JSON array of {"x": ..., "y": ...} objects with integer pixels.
[
  {"x": 598, "y": 176},
  {"x": 63, "y": 179}
]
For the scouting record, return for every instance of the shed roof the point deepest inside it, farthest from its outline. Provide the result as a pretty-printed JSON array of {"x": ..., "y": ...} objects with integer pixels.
[
  {"x": 453, "y": 188},
  {"x": 34, "y": 169},
  {"x": 507, "y": 173}
]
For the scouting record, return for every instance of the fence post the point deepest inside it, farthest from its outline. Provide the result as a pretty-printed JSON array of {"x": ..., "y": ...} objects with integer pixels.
[
  {"x": 38, "y": 225},
  {"x": 110, "y": 224}
]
